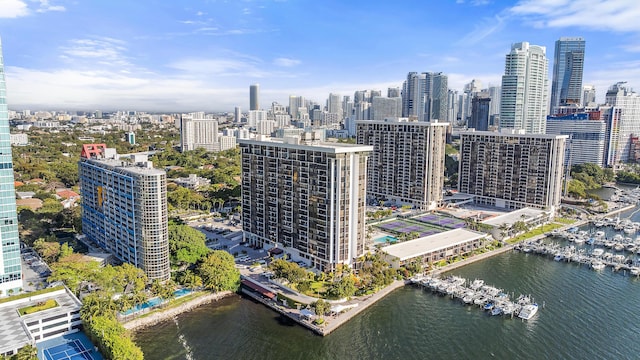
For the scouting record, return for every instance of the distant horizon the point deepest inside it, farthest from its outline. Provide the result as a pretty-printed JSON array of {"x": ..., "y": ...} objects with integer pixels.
[{"x": 176, "y": 57}]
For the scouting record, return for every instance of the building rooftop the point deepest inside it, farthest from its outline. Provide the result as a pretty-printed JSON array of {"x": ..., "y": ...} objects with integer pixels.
[
  {"x": 13, "y": 329},
  {"x": 334, "y": 148},
  {"x": 127, "y": 166},
  {"x": 428, "y": 244},
  {"x": 509, "y": 134},
  {"x": 523, "y": 214}
]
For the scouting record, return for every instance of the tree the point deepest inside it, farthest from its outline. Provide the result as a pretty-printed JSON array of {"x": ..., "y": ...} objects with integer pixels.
[
  {"x": 186, "y": 244},
  {"x": 48, "y": 250},
  {"x": 218, "y": 272},
  {"x": 345, "y": 287},
  {"x": 65, "y": 250},
  {"x": 27, "y": 352},
  {"x": 190, "y": 279},
  {"x": 321, "y": 307},
  {"x": 50, "y": 206}
]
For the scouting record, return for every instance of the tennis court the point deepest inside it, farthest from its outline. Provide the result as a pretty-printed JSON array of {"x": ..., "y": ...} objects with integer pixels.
[
  {"x": 74, "y": 346},
  {"x": 72, "y": 350}
]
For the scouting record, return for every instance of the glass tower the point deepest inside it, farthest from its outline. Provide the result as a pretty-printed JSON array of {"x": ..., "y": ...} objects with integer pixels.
[
  {"x": 10, "y": 268},
  {"x": 568, "y": 63}
]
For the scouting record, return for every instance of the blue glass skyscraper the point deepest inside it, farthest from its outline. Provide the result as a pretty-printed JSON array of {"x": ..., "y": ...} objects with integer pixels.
[
  {"x": 568, "y": 64},
  {"x": 10, "y": 268}
]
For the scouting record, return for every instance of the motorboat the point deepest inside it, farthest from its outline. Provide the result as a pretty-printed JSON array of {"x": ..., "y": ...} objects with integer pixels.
[
  {"x": 635, "y": 271},
  {"x": 558, "y": 257},
  {"x": 598, "y": 265},
  {"x": 600, "y": 234},
  {"x": 497, "y": 310},
  {"x": 488, "y": 306},
  {"x": 597, "y": 252},
  {"x": 528, "y": 311},
  {"x": 476, "y": 284}
]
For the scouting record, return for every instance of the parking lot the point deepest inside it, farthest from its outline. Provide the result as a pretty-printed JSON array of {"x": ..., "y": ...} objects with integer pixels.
[{"x": 34, "y": 270}]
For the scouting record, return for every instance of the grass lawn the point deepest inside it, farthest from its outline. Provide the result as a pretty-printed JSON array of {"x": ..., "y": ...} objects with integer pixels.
[
  {"x": 40, "y": 306},
  {"x": 564, "y": 221},
  {"x": 535, "y": 232}
]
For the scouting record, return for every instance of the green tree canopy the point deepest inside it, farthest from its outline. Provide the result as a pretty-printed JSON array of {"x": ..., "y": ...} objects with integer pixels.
[
  {"x": 218, "y": 271},
  {"x": 186, "y": 244}
]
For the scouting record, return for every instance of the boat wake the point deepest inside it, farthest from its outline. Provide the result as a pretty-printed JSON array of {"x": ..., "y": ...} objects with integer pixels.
[{"x": 183, "y": 341}]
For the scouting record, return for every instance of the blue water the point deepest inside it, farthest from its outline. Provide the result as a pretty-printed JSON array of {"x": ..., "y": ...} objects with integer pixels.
[
  {"x": 154, "y": 302},
  {"x": 383, "y": 240}
]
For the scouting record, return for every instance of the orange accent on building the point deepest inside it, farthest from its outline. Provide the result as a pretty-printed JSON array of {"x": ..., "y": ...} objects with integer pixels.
[{"x": 90, "y": 151}]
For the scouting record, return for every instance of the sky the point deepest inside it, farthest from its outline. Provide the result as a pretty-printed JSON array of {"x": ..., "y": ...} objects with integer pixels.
[{"x": 179, "y": 56}]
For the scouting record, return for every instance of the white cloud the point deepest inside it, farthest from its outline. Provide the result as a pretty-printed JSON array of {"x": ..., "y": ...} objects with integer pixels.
[
  {"x": 610, "y": 15},
  {"x": 13, "y": 8},
  {"x": 45, "y": 7},
  {"x": 483, "y": 29},
  {"x": 104, "y": 49},
  {"x": 286, "y": 62}
]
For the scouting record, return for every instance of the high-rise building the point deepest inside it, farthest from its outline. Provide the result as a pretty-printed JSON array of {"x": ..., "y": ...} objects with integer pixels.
[
  {"x": 588, "y": 95},
  {"x": 198, "y": 132},
  {"x": 10, "y": 266},
  {"x": 334, "y": 104},
  {"x": 394, "y": 92},
  {"x": 254, "y": 100},
  {"x": 523, "y": 103},
  {"x": 305, "y": 197},
  {"x": 480, "y": 105},
  {"x": 587, "y": 137},
  {"x": 295, "y": 103},
  {"x": 407, "y": 162},
  {"x": 568, "y": 63},
  {"x": 237, "y": 114},
  {"x": 124, "y": 208},
  {"x": 512, "y": 171},
  {"x": 425, "y": 96},
  {"x": 494, "y": 107},
  {"x": 384, "y": 108},
  {"x": 623, "y": 97}
]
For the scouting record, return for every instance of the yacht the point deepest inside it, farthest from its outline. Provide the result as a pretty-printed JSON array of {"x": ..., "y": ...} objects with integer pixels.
[
  {"x": 497, "y": 310},
  {"x": 598, "y": 265},
  {"x": 597, "y": 252},
  {"x": 635, "y": 271},
  {"x": 558, "y": 257},
  {"x": 600, "y": 234},
  {"x": 528, "y": 311}
]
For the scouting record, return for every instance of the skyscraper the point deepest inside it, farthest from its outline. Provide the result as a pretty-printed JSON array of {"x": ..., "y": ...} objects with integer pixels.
[
  {"x": 425, "y": 96},
  {"x": 407, "y": 162},
  {"x": 512, "y": 171},
  {"x": 384, "y": 108},
  {"x": 588, "y": 95},
  {"x": 10, "y": 267},
  {"x": 623, "y": 97},
  {"x": 306, "y": 197},
  {"x": 480, "y": 106},
  {"x": 124, "y": 208},
  {"x": 568, "y": 63},
  {"x": 237, "y": 114},
  {"x": 523, "y": 103},
  {"x": 254, "y": 101}
]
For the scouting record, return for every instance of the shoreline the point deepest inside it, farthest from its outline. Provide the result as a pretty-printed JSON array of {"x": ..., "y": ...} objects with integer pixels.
[
  {"x": 332, "y": 322},
  {"x": 161, "y": 315}
]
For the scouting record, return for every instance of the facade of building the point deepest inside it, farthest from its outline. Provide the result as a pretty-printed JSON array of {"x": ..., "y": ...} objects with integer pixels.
[
  {"x": 588, "y": 95},
  {"x": 512, "y": 171},
  {"x": 480, "y": 109},
  {"x": 193, "y": 182},
  {"x": 425, "y": 96},
  {"x": 19, "y": 139},
  {"x": 10, "y": 266},
  {"x": 198, "y": 132},
  {"x": 568, "y": 64},
  {"x": 386, "y": 108},
  {"x": 622, "y": 97},
  {"x": 254, "y": 100},
  {"x": 407, "y": 164},
  {"x": 124, "y": 208},
  {"x": 587, "y": 138},
  {"x": 305, "y": 197},
  {"x": 523, "y": 100}
]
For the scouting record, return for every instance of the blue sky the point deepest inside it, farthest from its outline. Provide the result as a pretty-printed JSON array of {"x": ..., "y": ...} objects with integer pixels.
[{"x": 203, "y": 55}]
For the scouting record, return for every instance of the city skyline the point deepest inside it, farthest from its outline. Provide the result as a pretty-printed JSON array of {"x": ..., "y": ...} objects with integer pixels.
[{"x": 204, "y": 55}]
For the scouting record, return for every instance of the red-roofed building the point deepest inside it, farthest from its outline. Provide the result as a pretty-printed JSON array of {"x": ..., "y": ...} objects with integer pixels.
[
  {"x": 92, "y": 151},
  {"x": 67, "y": 194},
  {"x": 17, "y": 183}
]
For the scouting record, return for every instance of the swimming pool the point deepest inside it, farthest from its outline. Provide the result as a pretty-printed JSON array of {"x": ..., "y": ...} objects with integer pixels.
[
  {"x": 155, "y": 302},
  {"x": 385, "y": 239}
]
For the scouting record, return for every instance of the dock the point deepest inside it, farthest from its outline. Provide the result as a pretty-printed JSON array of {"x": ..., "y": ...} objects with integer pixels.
[{"x": 476, "y": 292}]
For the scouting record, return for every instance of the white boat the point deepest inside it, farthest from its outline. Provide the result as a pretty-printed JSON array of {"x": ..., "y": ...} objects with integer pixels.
[
  {"x": 528, "y": 311},
  {"x": 496, "y": 311},
  {"x": 629, "y": 230},
  {"x": 558, "y": 257},
  {"x": 598, "y": 265},
  {"x": 579, "y": 240},
  {"x": 600, "y": 234},
  {"x": 635, "y": 271},
  {"x": 476, "y": 284}
]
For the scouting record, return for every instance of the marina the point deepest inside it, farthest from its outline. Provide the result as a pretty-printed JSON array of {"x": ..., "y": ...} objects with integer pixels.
[{"x": 488, "y": 298}]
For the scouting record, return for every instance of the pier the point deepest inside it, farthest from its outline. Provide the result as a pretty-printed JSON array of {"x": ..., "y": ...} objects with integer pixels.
[{"x": 486, "y": 297}]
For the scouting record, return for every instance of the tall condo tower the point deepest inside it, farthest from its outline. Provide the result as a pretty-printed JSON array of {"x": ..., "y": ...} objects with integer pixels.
[
  {"x": 254, "y": 100},
  {"x": 10, "y": 267},
  {"x": 523, "y": 102},
  {"x": 124, "y": 208},
  {"x": 568, "y": 63},
  {"x": 407, "y": 163},
  {"x": 425, "y": 96},
  {"x": 305, "y": 197}
]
